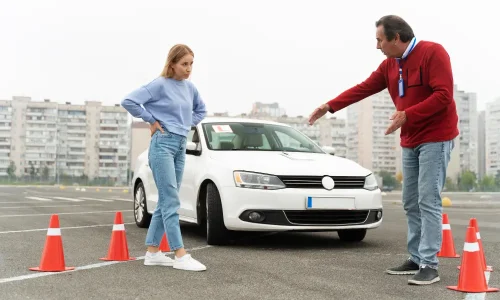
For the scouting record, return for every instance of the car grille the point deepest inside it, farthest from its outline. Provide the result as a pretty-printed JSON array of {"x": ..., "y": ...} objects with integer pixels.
[
  {"x": 327, "y": 217},
  {"x": 314, "y": 182}
]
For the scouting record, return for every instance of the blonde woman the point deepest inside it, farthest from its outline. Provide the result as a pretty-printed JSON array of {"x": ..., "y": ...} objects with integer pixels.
[{"x": 171, "y": 106}]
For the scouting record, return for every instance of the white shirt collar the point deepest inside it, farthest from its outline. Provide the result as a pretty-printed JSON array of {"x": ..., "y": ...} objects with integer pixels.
[{"x": 410, "y": 47}]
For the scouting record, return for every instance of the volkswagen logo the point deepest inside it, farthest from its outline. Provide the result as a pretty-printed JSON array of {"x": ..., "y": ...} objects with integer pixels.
[{"x": 328, "y": 183}]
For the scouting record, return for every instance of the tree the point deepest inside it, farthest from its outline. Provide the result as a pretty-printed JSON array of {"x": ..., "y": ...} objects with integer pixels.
[
  {"x": 449, "y": 185},
  {"x": 388, "y": 179},
  {"x": 487, "y": 184},
  {"x": 467, "y": 181},
  {"x": 45, "y": 173},
  {"x": 11, "y": 170},
  {"x": 84, "y": 179},
  {"x": 32, "y": 170}
]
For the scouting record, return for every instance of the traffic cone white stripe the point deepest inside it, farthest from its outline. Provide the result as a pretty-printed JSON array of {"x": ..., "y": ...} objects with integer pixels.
[
  {"x": 471, "y": 247},
  {"x": 54, "y": 232},
  {"x": 478, "y": 235},
  {"x": 118, "y": 227},
  {"x": 446, "y": 227}
]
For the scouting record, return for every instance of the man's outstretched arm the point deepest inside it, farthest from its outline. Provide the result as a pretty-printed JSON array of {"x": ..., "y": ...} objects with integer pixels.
[{"x": 372, "y": 85}]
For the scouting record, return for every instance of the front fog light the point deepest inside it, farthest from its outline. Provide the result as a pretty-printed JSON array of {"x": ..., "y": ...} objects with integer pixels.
[
  {"x": 255, "y": 217},
  {"x": 257, "y": 181}
]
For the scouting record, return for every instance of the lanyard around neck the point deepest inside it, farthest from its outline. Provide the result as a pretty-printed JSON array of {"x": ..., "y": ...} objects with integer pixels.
[{"x": 410, "y": 48}]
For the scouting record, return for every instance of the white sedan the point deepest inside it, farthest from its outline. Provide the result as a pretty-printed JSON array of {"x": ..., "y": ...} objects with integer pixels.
[{"x": 255, "y": 175}]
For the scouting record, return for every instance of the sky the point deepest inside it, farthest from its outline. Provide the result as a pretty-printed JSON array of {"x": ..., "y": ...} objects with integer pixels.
[{"x": 297, "y": 53}]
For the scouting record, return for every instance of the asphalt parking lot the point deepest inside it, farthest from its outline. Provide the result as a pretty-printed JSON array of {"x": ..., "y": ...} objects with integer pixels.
[{"x": 256, "y": 266}]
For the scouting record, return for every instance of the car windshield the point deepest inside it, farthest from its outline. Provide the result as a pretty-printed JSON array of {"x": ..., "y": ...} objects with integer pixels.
[{"x": 230, "y": 136}]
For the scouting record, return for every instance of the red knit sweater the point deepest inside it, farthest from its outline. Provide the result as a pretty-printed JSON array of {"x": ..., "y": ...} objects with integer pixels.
[{"x": 428, "y": 101}]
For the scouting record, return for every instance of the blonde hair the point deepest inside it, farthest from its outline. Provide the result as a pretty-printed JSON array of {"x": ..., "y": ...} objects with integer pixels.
[{"x": 176, "y": 53}]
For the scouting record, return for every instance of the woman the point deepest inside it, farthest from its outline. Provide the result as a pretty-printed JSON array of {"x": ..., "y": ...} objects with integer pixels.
[{"x": 171, "y": 105}]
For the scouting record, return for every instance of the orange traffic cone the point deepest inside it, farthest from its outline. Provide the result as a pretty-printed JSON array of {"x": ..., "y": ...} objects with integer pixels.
[
  {"x": 448, "y": 245},
  {"x": 118, "y": 248},
  {"x": 473, "y": 223},
  {"x": 471, "y": 278},
  {"x": 53, "y": 253},
  {"x": 164, "y": 247}
]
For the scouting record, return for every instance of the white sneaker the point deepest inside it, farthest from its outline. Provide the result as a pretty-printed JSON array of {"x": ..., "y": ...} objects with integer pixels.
[
  {"x": 188, "y": 263},
  {"x": 157, "y": 259}
]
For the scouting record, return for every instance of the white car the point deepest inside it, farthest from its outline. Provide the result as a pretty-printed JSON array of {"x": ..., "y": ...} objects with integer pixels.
[{"x": 256, "y": 175}]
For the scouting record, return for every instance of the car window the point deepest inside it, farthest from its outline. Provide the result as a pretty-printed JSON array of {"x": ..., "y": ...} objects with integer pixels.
[
  {"x": 256, "y": 137},
  {"x": 288, "y": 141}
]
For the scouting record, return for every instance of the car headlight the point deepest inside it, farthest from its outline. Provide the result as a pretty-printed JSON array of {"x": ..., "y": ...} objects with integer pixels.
[
  {"x": 257, "y": 181},
  {"x": 371, "y": 183}
]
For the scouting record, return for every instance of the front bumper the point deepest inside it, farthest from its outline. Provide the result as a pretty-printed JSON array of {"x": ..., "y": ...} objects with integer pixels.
[{"x": 285, "y": 210}]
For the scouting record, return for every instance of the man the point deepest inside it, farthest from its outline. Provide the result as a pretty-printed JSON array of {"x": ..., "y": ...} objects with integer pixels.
[{"x": 419, "y": 79}]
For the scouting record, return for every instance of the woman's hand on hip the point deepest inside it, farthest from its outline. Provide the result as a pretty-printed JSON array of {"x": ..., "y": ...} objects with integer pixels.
[{"x": 156, "y": 126}]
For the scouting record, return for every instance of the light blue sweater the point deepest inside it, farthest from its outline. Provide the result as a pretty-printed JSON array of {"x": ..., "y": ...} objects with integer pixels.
[{"x": 175, "y": 104}]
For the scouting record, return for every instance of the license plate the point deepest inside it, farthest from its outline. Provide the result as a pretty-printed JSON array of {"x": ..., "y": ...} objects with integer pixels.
[{"x": 330, "y": 203}]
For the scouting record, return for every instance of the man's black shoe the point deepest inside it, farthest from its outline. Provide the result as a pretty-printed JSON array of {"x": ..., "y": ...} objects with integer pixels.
[
  {"x": 425, "y": 275},
  {"x": 407, "y": 268}
]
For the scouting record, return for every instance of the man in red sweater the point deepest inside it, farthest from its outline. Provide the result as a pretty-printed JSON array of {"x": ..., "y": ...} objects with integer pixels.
[{"x": 419, "y": 79}]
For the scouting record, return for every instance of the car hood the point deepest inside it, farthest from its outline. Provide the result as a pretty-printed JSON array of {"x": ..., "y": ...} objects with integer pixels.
[{"x": 289, "y": 163}]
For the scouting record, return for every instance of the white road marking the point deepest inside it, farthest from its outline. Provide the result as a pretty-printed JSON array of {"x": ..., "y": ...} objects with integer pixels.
[
  {"x": 66, "y": 213},
  {"x": 19, "y": 202},
  {"x": 68, "y": 199},
  {"x": 87, "y": 267},
  {"x": 50, "y": 206},
  {"x": 478, "y": 296},
  {"x": 75, "y": 227},
  {"x": 95, "y": 199},
  {"x": 121, "y": 199},
  {"x": 38, "y": 198}
]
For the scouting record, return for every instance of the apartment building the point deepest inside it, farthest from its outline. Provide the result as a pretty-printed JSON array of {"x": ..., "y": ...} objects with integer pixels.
[
  {"x": 50, "y": 139},
  {"x": 492, "y": 156},
  {"x": 5, "y": 136},
  {"x": 338, "y": 135},
  {"x": 481, "y": 144},
  {"x": 72, "y": 140},
  {"x": 34, "y": 137},
  {"x": 367, "y": 144},
  {"x": 114, "y": 142},
  {"x": 273, "y": 110},
  {"x": 467, "y": 142}
]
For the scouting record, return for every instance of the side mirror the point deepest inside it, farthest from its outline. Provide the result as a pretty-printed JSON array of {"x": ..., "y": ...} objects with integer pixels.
[
  {"x": 329, "y": 150},
  {"x": 192, "y": 148}
]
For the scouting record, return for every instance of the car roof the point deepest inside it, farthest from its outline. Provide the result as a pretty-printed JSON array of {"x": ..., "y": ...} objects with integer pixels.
[{"x": 240, "y": 120}]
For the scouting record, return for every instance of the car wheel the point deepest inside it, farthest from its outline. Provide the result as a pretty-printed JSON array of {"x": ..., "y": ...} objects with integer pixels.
[
  {"x": 141, "y": 215},
  {"x": 217, "y": 233},
  {"x": 352, "y": 235}
]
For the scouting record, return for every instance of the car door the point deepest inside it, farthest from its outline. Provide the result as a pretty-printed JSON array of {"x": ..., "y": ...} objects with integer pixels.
[
  {"x": 152, "y": 190},
  {"x": 189, "y": 187}
]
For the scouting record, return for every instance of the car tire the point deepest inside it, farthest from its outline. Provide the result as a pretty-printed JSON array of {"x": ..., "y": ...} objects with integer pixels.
[
  {"x": 141, "y": 215},
  {"x": 352, "y": 235},
  {"x": 217, "y": 233}
]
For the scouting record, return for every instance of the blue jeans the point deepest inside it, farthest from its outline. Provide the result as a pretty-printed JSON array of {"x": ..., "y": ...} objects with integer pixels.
[
  {"x": 424, "y": 175},
  {"x": 167, "y": 153}
]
